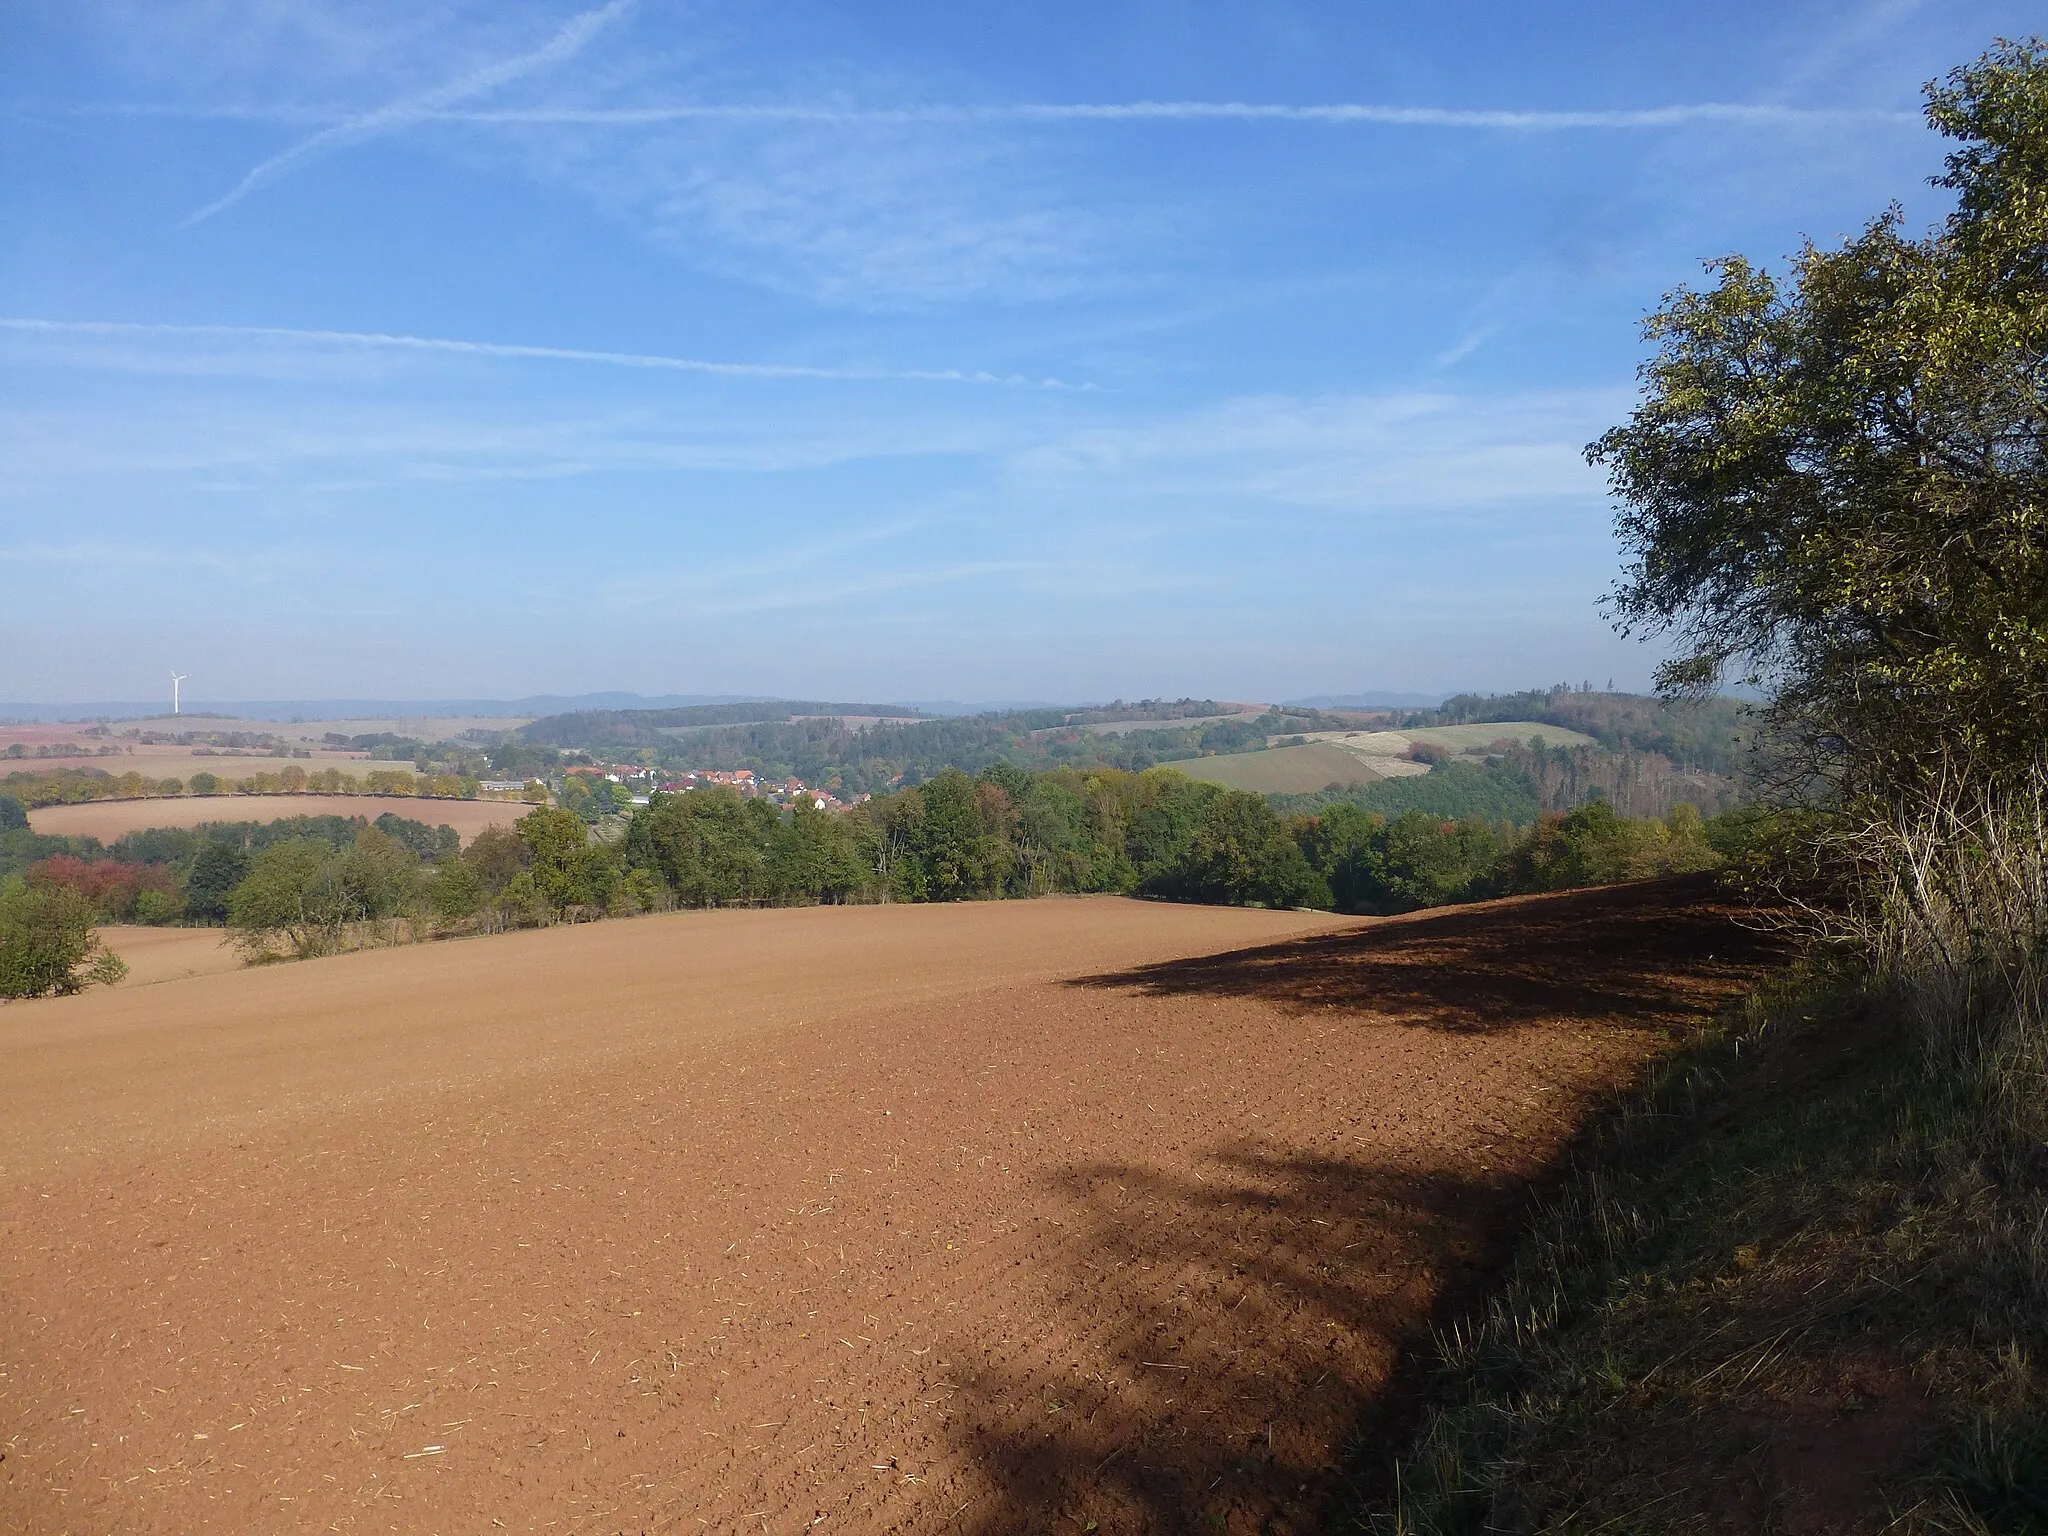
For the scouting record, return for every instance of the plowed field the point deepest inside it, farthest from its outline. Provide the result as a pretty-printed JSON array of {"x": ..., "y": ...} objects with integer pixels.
[
  {"x": 109, "y": 819},
  {"x": 988, "y": 1218}
]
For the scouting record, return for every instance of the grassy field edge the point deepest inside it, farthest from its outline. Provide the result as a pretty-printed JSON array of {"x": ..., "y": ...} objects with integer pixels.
[{"x": 1797, "y": 1283}]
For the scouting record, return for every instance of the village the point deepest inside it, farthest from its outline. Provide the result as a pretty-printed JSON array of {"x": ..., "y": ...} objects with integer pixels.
[{"x": 643, "y": 783}]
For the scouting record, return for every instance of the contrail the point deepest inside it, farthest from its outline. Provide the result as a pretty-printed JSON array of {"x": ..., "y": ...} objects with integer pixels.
[
  {"x": 1734, "y": 114},
  {"x": 515, "y": 350},
  {"x": 565, "y": 45}
]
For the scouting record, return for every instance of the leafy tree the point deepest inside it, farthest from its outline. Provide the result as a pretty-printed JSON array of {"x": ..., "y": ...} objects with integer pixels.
[
  {"x": 1240, "y": 853},
  {"x": 958, "y": 847},
  {"x": 1836, "y": 481},
  {"x": 812, "y": 857},
  {"x": 456, "y": 891},
  {"x": 13, "y": 814},
  {"x": 47, "y": 943},
  {"x": 306, "y": 893},
  {"x": 377, "y": 877},
  {"x": 422, "y": 841},
  {"x": 497, "y": 855},
  {"x": 705, "y": 844},
  {"x": 211, "y": 879},
  {"x": 559, "y": 843},
  {"x": 116, "y": 890}
]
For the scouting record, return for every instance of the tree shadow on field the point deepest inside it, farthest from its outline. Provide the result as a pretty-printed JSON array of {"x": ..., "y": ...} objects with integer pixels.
[
  {"x": 1644, "y": 952},
  {"x": 1220, "y": 1338},
  {"x": 1225, "y": 1336}
]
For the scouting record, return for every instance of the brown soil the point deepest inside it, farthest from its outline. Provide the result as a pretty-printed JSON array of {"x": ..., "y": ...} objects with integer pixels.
[
  {"x": 168, "y": 954},
  {"x": 109, "y": 819},
  {"x": 986, "y": 1218},
  {"x": 160, "y": 762}
]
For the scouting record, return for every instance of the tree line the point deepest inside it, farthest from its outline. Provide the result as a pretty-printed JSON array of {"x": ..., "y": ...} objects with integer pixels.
[
  {"x": 76, "y": 786},
  {"x": 311, "y": 885}
]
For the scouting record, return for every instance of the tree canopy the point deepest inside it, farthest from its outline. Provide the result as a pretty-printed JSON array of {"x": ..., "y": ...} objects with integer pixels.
[{"x": 1835, "y": 481}]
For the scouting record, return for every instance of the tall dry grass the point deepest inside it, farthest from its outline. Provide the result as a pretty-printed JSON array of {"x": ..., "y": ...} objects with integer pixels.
[
  {"x": 1846, "y": 1183},
  {"x": 1945, "y": 908}
]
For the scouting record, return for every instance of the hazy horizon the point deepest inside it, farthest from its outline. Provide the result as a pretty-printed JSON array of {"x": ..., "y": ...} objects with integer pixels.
[
  {"x": 470, "y": 351},
  {"x": 63, "y": 710}
]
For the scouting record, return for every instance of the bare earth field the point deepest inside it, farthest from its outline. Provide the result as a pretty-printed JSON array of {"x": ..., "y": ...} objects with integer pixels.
[
  {"x": 984, "y": 1218},
  {"x": 419, "y": 727},
  {"x": 109, "y": 819},
  {"x": 168, "y": 954},
  {"x": 183, "y": 762}
]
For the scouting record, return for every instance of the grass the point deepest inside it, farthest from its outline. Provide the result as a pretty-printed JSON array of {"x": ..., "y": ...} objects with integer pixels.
[
  {"x": 1801, "y": 1284},
  {"x": 1279, "y": 770}
]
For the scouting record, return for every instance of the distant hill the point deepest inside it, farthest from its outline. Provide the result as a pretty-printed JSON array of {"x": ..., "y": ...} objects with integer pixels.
[
  {"x": 1368, "y": 701},
  {"x": 365, "y": 709},
  {"x": 588, "y": 729}
]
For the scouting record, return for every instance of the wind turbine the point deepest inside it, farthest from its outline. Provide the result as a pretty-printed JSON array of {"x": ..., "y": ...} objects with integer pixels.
[{"x": 176, "y": 678}]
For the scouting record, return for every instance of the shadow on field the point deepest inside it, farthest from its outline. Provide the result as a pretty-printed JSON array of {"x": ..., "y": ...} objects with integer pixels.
[
  {"x": 1267, "y": 1315},
  {"x": 1640, "y": 951},
  {"x": 1325, "y": 1272}
]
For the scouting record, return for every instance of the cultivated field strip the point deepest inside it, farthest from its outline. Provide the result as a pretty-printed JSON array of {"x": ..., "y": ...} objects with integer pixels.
[
  {"x": 979, "y": 1218},
  {"x": 111, "y": 819}
]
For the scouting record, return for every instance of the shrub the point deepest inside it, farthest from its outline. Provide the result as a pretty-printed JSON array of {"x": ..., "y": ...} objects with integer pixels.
[{"x": 47, "y": 943}]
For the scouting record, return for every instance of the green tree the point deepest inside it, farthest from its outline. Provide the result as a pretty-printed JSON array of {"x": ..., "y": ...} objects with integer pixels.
[
  {"x": 707, "y": 845},
  {"x": 13, "y": 814},
  {"x": 497, "y": 855},
  {"x": 559, "y": 842},
  {"x": 456, "y": 891},
  {"x": 1240, "y": 853},
  {"x": 377, "y": 877},
  {"x": 1836, "y": 481},
  {"x": 958, "y": 848},
  {"x": 294, "y": 893},
  {"x": 47, "y": 943},
  {"x": 812, "y": 858}
]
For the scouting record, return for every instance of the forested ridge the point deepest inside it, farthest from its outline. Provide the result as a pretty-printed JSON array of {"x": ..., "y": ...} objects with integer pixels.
[{"x": 1695, "y": 751}]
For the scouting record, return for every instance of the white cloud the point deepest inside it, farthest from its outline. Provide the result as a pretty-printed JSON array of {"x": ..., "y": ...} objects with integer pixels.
[
  {"x": 269, "y": 363},
  {"x": 569, "y": 41},
  {"x": 1365, "y": 453},
  {"x": 324, "y": 447},
  {"x": 1764, "y": 115}
]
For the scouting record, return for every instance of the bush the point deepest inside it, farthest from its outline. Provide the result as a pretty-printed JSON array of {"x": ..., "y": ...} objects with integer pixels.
[{"x": 47, "y": 943}]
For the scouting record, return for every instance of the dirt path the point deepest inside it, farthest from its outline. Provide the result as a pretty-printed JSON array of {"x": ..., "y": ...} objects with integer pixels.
[{"x": 974, "y": 1218}]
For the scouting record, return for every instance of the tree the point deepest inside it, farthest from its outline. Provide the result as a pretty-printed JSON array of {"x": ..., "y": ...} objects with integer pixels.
[
  {"x": 1240, "y": 853},
  {"x": 558, "y": 841},
  {"x": 707, "y": 845},
  {"x": 960, "y": 844},
  {"x": 47, "y": 943},
  {"x": 812, "y": 858},
  {"x": 210, "y": 879},
  {"x": 497, "y": 854},
  {"x": 456, "y": 891},
  {"x": 13, "y": 814},
  {"x": 292, "y": 892},
  {"x": 1839, "y": 483}
]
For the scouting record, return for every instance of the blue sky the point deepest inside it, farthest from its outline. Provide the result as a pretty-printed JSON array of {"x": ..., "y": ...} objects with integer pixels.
[{"x": 900, "y": 351}]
